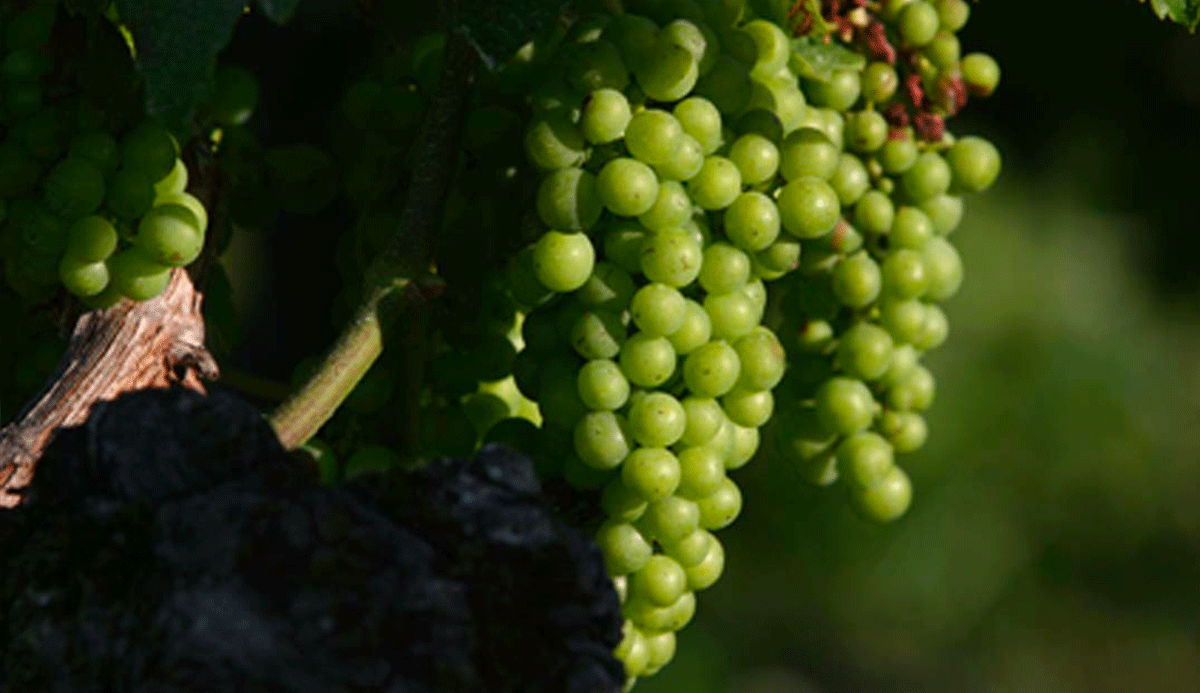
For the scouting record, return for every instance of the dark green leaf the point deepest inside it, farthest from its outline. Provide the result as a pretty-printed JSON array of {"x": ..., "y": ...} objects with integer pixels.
[
  {"x": 1185, "y": 12},
  {"x": 280, "y": 11},
  {"x": 497, "y": 28},
  {"x": 177, "y": 42},
  {"x": 815, "y": 59}
]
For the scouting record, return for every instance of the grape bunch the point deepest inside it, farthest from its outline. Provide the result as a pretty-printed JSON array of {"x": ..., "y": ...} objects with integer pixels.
[
  {"x": 738, "y": 217},
  {"x": 92, "y": 194}
]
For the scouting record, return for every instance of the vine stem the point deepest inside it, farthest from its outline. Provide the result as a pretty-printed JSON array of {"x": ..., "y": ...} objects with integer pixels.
[{"x": 397, "y": 273}]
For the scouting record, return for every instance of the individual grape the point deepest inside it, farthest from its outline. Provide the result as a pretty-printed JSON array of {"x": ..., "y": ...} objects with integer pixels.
[
  {"x": 97, "y": 147},
  {"x": 627, "y": 187},
  {"x": 633, "y": 34},
  {"x": 752, "y": 221},
  {"x": 620, "y": 502},
  {"x": 762, "y": 359},
  {"x": 597, "y": 334},
  {"x": 568, "y": 199},
  {"x": 917, "y": 24},
  {"x": 733, "y": 315},
  {"x": 652, "y": 136},
  {"x": 660, "y": 582},
  {"x": 898, "y": 155},
  {"x": 874, "y": 213},
  {"x": 150, "y": 148},
  {"x": 695, "y": 40},
  {"x": 689, "y": 550},
  {"x": 935, "y": 331},
  {"x": 669, "y": 71},
  {"x": 700, "y": 119},
  {"x": 632, "y": 651},
  {"x": 91, "y": 239},
  {"x": 234, "y": 96},
  {"x": 929, "y": 176},
  {"x": 879, "y": 82},
  {"x": 695, "y": 331},
  {"x": 74, "y": 187},
  {"x": 608, "y": 288},
  {"x": 170, "y": 234},
  {"x": 905, "y": 430},
  {"x": 975, "y": 163},
  {"x": 706, "y": 573},
  {"x": 672, "y": 208},
  {"x": 183, "y": 199},
  {"x": 716, "y": 185},
  {"x": 656, "y": 419},
  {"x": 136, "y": 275},
  {"x": 701, "y": 470},
  {"x": 623, "y": 243},
  {"x": 745, "y": 441},
  {"x": 808, "y": 207},
  {"x": 904, "y": 320},
  {"x": 952, "y": 14},
  {"x": 625, "y": 549},
  {"x": 850, "y": 179},
  {"x": 727, "y": 86},
  {"x": 903, "y": 273},
  {"x": 865, "y": 351},
  {"x": 857, "y": 280},
  {"x": 888, "y": 499},
  {"x": 783, "y": 98},
  {"x": 721, "y": 507},
  {"x": 605, "y": 115},
  {"x": 866, "y": 131},
  {"x": 943, "y": 267},
  {"x": 808, "y": 152},
  {"x": 838, "y": 93},
  {"x": 662, "y": 650},
  {"x": 945, "y": 212},
  {"x": 981, "y": 73},
  {"x": 174, "y": 182},
  {"x": 915, "y": 392},
  {"x": 779, "y": 258},
  {"x": 756, "y": 158},
  {"x": 672, "y": 257},
  {"x": 658, "y": 309},
  {"x": 563, "y": 261},
  {"x": 83, "y": 277},
  {"x": 943, "y": 51},
  {"x": 596, "y": 65},
  {"x": 771, "y": 46},
  {"x": 723, "y": 269},
  {"x": 685, "y": 163},
  {"x": 647, "y": 360},
  {"x": 602, "y": 439},
  {"x": 552, "y": 141},
  {"x": 712, "y": 370},
  {"x": 748, "y": 408},
  {"x": 865, "y": 458},
  {"x": 670, "y": 519},
  {"x": 652, "y": 473},
  {"x": 602, "y": 386},
  {"x": 845, "y": 405}
]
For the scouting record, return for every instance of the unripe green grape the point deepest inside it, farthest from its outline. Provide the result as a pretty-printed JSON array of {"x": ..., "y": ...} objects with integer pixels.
[
  {"x": 151, "y": 148},
  {"x": 952, "y": 14},
  {"x": 857, "y": 280},
  {"x": 605, "y": 115},
  {"x": 602, "y": 386},
  {"x": 647, "y": 360},
  {"x": 917, "y": 24},
  {"x": 670, "y": 519},
  {"x": 850, "y": 179},
  {"x": 981, "y": 73},
  {"x": 596, "y": 65},
  {"x": 632, "y": 651},
  {"x": 96, "y": 146},
  {"x": 234, "y": 96},
  {"x": 568, "y": 199},
  {"x": 625, "y": 549},
  {"x": 183, "y": 199},
  {"x": 563, "y": 261},
  {"x": 874, "y": 213},
  {"x": 83, "y": 277},
  {"x": 716, "y": 185},
  {"x": 898, "y": 155},
  {"x": 711, "y": 370},
  {"x": 903, "y": 273},
  {"x": 684, "y": 164},
  {"x": 807, "y": 152},
  {"x": 906, "y": 431},
  {"x": 558, "y": 400},
  {"x": 935, "y": 331},
  {"x": 914, "y": 392},
  {"x": 808, "y": 207},
  {"x": 943, "y": 51},
  {"x": 866, "y": 131},
  {"x": 608, "y": 288},
  {"x": 722, "y": 441},
  {"x": 552, "y": 141},
  {"x": 620, "y": 502},
  {"x": 694, "y": 40},
  {"x": 928, "y": 177},
  {"x": 602, "y": 439},
  {"x": 756, "y": 158},
  {"x": 175, "y": 181},
  {"x": 700, "y": 118},
  {"x": 761, "y": 122},
  {"x": 839, "y": 93},
  {"x": 771, "y": 46},
  {"x": 701, "y": 470},
  {"x": 623, "y": 242},
  {"x": 658, "y": 309},
  {"x": 944, "y": 268},
  {"x": 672, "y": 257},
  {"x": 170, "y": 234},
  {"x": 672, "y": 207},
  {"x": 652, "y": 473},
  {"x": 904, "y": 319},
  {"x": 752, "y": 221},
  {"x": 74, "y": 187},
  {"x": 721, "y": 507},
  {"x": 865, "y": 351},
  {"x": 733, "y": 315},
  {"x": 706, "y": 573},
  {"x": 910, "y": 229},
  {"x": 723, "y": 269},
  {"x": 690, "y": 549},
  {"x": 727, "y": 86},
  {"x": 780, "y": 257},
  {"x": 815, "y": 337},
  {"x": 865, "y": 458},
  {"x": 656, "y": 419},
  {"x": 597, "y": 334},
  {"x": 879, "y": 82},
  {"x": 888, "y": 499},
  {"x": 746, "y": 439},
  {"x": 653, "y": 135},
  {"x": 784, "y": 99},
  {"x": 695, "y": 331},
  {"x": 845, "y": 405},
  {"x": 668, "y": 73},
  {"x": 945, "y": 212},
  {"x": 136, "y": 275},
  {"x": 748, "y": 408},
  {"x": 91, "y": 239},
  {"x": 627, "y": 187},
  {"x": 762, "y": 359},
  {"x": 660, "y": 639},
  {"x": 633, "y": 34},
  {"x": 975, "y": 163},
  {"x": 660, "y": 582}
]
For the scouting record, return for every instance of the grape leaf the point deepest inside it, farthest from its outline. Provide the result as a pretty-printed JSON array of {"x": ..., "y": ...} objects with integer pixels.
[
  {"x": 280, "y": 11},
  {"x": 176, "y": 42},
  {"x": 497, "y": 28},
  {"x": 1185, "y": 12},
  {"x": 815, "y": 59}
]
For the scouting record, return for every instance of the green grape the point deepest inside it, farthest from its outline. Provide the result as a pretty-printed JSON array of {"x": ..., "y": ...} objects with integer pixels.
[
  {"x": 857, "y": 280},
  {"x": 602, "y": 386},
  {"x": 670, "y": 519},
  {"x": 185, "y": 200},
  {"x": 632, "y": 652},
  {"x": 668, "y": 72},
  {"x": 879, "y": 83},
  {"x": 935, "y": 331},
  {"x": 625, "y": 549},
  {"x": 865, "y": 351},
  {"x": 981, "y": 73},
  {"x": 605, "y": 115},
  {"x": 975, "y": 164},
  {"x": 761, "y": 122},
  {"x": 170, "y": 234},
  {"x": 716, "y": 185},
  {"x": 91, "y": 239},
  {"x": 661, "y": 648},
  {"x": 888, "y": 499},
  {"x": 845, "y": 405},
  {"x": 721, "y": 507},
  {"x": 83, "y": 277},
  {"x": 652, "y": 473},
  {"x": 130, "y": 193},
  {"x": 762, "y": 359},
  {"x": 685, "y": 163},
  {"x": 136, "y": 275},
  {"x": 700, "y": 119},
  {"x": 914, "y": 392},
  {"x": 602, "y": 439},
  {"x": 609, "y": 288},
  {"x": 733, "y": 315},
  {"x": 780, "y": 257},
  {"x": 552, "y": 141},
  {"x": 150, "y": 148},
  {"x": 865, "y": 458},
  {"x": 748, "y": 408},
  {"x": 952, "y": 14},
  {"x": 910, "y": 229},
  {"x": 706, "y": 573},
  {"x": 866, "y": 131},
  {"x": 633, "y": 34},
  {"x": 652, "y": 136},
  {"x": 943, "y": 51},
  {"x": 568, "y": 199},
  {"x": 945, "y": 212},
  {"x": 727, "y": 86},
  {"x": 672, "y": 257},
  {"x": 905, "y": 430},
  {"x": 656, "y": 622},
  {"x": 903, "y": 274},
  {"x": 658, "y": 309},
  {"x": 672, "y": 208},
  {"x": 815, "y": 337},
  {"x": 695, "y": 331},
  {"x": 808, "y": 207},
  {"x": 563, "y": 261},
  {"x": 74, "y": 187},
  {"x": 943, "y": 266},
  {"x": 898, "y": 155},
  {"x": 917, "y": 24},
  {"x": 904, "y": 320},
  {"x": 690, "y": 549},
  {"x": 839, "y": 93},
  {"x": 782, "y": 98},
  {"x": 97, "y": 147},
  {"x": 701, "y": 470},
  {"x": 756, "y": 158},
  {"x": 623, "y": 243},
  {"x": 175, "y": 181},
  {"x": 656, "y": 419},
  {"x": 596, "y": 65},
  {"x": 808, "y": 152},
  {"x": 711, "y": 370},
  {"x": 234, "y": 96},
  {"x": 597, "y": 334},
  {"x": 627, "y": 187},
  {"x": 647, "y": 360},
  {"x": 929, "y": 177},
  {"x": 752, "y": 221},
  {"x": 850, "y": 179},
  {"x": 694, "y": 40},
  {"x": 723, "y": 269}
]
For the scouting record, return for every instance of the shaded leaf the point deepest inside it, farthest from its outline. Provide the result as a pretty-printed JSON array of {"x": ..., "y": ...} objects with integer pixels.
[
  {"x": 815, "y": 59},
  {"x": 497, "y": 28}
]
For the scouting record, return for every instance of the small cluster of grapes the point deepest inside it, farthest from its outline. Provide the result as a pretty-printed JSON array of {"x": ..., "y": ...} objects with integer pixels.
[{"x": 105, "y": 217}]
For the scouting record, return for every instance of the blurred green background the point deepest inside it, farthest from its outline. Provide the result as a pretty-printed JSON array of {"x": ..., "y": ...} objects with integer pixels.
[{"x": 1054, "y": 540}]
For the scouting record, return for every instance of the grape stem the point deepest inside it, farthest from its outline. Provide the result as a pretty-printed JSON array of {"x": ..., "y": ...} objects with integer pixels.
[{"x": 400, "y": 274}]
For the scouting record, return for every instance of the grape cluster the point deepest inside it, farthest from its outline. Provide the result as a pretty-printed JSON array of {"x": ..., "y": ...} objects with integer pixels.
[
  {"x": 682, "y": 154},
  {"x": 105, "y": 216}
]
